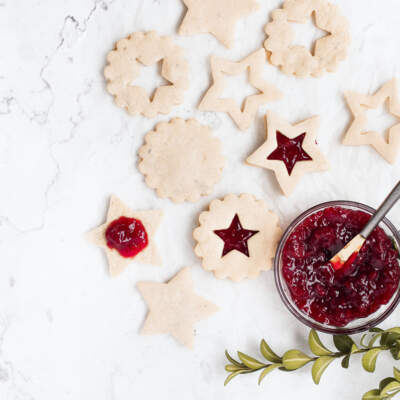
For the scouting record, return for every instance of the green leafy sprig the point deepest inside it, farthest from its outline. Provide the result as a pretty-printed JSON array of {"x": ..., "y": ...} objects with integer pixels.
[{"x": 388, "y": 340}]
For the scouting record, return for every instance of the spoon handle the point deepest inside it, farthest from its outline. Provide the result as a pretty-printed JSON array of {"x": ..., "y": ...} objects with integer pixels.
[{"x": 382, "y": 211}]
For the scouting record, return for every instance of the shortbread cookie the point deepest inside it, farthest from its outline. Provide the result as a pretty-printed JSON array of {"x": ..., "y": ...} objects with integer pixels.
[
  {"x": 174, "y": 308},
  {"x": 127, "y": 236},
  {"x": 123, "y": 67},
  {"x": 254, "y": 66},
  {"x": 290, "y": 151},
  {"x": 216, "y": 17},
  {"x": 297, "y": 60},
  {"x": 181, "y": 160},
  {"x": 388, "y": 147},
  {"x": 237, "y": 237}
]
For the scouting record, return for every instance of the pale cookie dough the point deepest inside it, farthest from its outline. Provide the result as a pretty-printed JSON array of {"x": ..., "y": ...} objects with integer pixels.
[
  {"x": 276, "y": 124},
  {"x": 218, "y": 17},
  {"x": 174, "y": 308},
  {"x": 388, "y": 147},
  {"x": 297, "y": 60},
  {"x": 123, "y": 67},
  {"x": 181, "y": 160},
  {"x": 254, "y": 66},
  {"x": 151, "y": 220},
  {"x": 251, "y": 220}
]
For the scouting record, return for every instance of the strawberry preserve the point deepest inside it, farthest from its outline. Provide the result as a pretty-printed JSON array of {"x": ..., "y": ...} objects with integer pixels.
[{"x": 355, "y": 291}]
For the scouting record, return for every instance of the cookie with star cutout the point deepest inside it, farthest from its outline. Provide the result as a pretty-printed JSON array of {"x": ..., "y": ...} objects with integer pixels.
[
  {"x": 387, "y": 144},
  {"x": 127, "y": 236},
  {"x": 237, "y": 237},
  {"x": 290, "y": 151},
  {"x": 253, "y": 66},
  {"x": 174, "y": 308}
]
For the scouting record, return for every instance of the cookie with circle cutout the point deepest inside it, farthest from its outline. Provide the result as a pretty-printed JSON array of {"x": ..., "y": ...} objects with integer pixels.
[
  {"x": 181, "y": 160},
  {"x": 388, "y": 147},
  {"x": 127, "y": 235},
  {"x": 329, "y": 50},
  {"x": 237, "y": 237},
  {"x": 125, "y": 62}
]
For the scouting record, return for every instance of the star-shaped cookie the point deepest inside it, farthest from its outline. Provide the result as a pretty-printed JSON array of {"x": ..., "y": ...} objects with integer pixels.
[
  {"x": 174, "y": 308},
  {"x": 289, "y": 150},
  {"x": 218, "y": 17},
  {"x": 149, "y": 218},
  {"x": 388, "y": 147},
  {"x": 254, "y": 66}
]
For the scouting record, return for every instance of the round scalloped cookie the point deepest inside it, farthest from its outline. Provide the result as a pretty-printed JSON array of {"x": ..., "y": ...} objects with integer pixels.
[
  {"x": 329, "y": 50},
  {"x": 254, "y": 217},
  {"x": 181, "y": 160},
  {"x": 124, "y": 63}
]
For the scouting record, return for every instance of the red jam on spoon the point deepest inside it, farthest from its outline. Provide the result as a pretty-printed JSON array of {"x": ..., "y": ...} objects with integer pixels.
[
  {"x": 235, "y": 237},
  {"x": 290, "y": 151},
  {"x": 126, "y": 235},
  {"x": 356, "y": 290}
]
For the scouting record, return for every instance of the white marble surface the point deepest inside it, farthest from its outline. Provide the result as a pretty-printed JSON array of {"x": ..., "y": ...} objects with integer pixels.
[{"x": 68, "y": 331}]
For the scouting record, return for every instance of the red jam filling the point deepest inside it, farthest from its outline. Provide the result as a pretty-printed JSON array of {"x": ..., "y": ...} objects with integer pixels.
[
  {"x": 356, "y": 290},
  {"x": 290, "y": 151},
  {"x": 235, "y": 237},
  {"x": 126, "y": 235}
]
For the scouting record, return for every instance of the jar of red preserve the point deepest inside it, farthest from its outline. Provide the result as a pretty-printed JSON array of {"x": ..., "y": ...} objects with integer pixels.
[{"x": 349, "y": 300}]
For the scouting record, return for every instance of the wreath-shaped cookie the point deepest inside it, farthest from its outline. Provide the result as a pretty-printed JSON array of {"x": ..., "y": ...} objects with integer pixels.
[
  {"x": 123, "y": 68},
  {"x": 181, "y": 160},
  {"x": 297, "y": 60},
  {"x": 237, "y": 237}
]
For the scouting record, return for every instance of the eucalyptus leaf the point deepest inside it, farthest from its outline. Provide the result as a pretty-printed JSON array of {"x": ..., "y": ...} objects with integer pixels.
[
  {"x": 346, "y": 361},
  {"x": 375, "y": 338},
  {"x": 267, "y": 352},
  {"x": 390, "y": 387},
  {"x": 369, "y": 359},
  {"x": 395, "y": 352},
  {"x": 343, "y": 343},
  {"x": 389, "y": 338},
  {"x": 396, "y": 374},
  {"x": 232, "y": 360},
  {"x": 231, "y": 376},
  {"x": 232, "y": 368},
  {"x": 362, "y": 340},
  {"x": 376, "y": 330},
  {"x": 267, "y": 370},
  {"x": 320, "y": 365},
  {"x": 316, "y": 345},
  {"x": 354, "y": 349},
  {"x": 250, "y": 362},
  {"x": 295, "y": 359},
  {"x": 396, "y": 329},
  {"x": 373, "y": 394},
  {"x": 385, "y": 382}
]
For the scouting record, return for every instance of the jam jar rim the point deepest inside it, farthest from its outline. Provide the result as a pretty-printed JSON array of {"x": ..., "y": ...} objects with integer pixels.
[{"x": 365, "y": 323}]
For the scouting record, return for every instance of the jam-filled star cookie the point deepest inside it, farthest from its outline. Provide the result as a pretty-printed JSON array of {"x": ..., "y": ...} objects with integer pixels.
[
  {"x": 237, "y": 237},
  {"x": 127, "y": 236},
  {"x": 290, "y": 151},
  {"x": 174, "y": 308}
]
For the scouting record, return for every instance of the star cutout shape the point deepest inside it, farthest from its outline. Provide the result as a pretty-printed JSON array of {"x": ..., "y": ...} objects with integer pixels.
[
  {"x": 289, "y": 177},
  {"x": 235, "y": 237},
  {"x": 174, "y": 308},
  {"x": 290, "y": 151},
  {"x": 150, "y": 219},
  {"x": 218, "y": 17},
  {"x": 254, "y": 66},
  {"x": 388, "y": 147}
]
